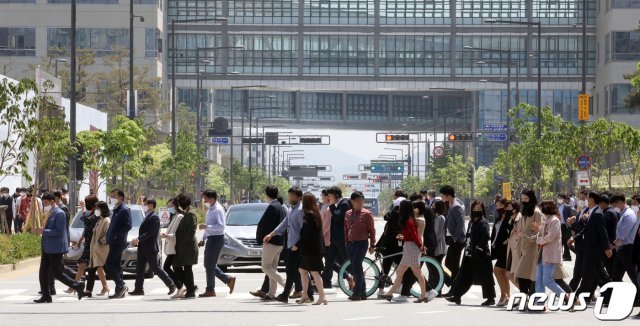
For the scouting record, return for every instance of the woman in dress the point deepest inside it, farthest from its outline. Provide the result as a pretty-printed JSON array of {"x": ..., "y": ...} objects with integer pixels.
[
  {"x": 170, "y": 247},
  {"x": 186, "y": 246},
  {"x": 527, "y": 266},
  {"x": 499, "y": 241},
  {"x": 512, "y": 214},
  {"x": 99, "y": 247},
  {"x": 311, "y": 246},
  {"x": 412, "y": 250},
  {"x": 89, "y": 219}
]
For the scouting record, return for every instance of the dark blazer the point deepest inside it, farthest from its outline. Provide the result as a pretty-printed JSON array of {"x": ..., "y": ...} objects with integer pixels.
[
  {"x": 186, "y": 243},
  {"x": 478, "y": 237},
  {"x": 120, "y": 225},
  {"x": 8, "y": 201},
  {"x": 391, "y": 230},
  {"x": 148, "y": 234},
  {"x": 311, "y": 241},
  {"x": 610, "y": 223},
  {"x": 54, "y": 235},
  {"x": 430, "y": 239},
  {"x": 271, "y": 218},
  {"x": 338, "y": 210},
  {"x": 596, "y": 239},
  {"x": 500, "y": 235},
  {"x": 578, "y": 229},
  {"x": 567, "y": 212}
]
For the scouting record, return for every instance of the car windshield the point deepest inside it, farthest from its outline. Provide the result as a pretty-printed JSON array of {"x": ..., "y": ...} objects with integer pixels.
[
  {"x": 136, "y": 219},
  {"x": 243, "y": 216}
]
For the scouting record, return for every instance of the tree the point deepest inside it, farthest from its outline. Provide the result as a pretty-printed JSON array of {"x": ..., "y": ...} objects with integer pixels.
[
  {"x": 180, "y": 169},
  {"x": 125, "y": 147},
  {"x": 17, "y": 119},
  {"x": 93, "y": 155},
  {"x": 632, "y": 101}
]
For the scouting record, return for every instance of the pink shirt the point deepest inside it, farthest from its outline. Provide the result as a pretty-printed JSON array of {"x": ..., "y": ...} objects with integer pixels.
[{"x": 325, "y": 214}]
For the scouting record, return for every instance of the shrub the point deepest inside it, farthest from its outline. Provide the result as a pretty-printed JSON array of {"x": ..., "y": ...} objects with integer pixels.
[{"x": 18, "y": 247}]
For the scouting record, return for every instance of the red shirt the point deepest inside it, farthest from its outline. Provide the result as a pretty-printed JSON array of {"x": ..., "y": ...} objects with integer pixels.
[
  {"x": 410, "y": 232},
  {"x": 358, "y": 226}
]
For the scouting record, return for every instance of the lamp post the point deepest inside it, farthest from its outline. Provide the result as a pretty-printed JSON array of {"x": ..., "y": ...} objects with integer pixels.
[
  {"x": 56, "y": 65},
  {"x": 250, "y": 125},
  {"x": 539, "y": 93},
  {"x": 132, "y": 97},
  {"x": 269, "y": 157},
  {"x": 251, "y": 150},
  {"x": 174, "y": 109}
]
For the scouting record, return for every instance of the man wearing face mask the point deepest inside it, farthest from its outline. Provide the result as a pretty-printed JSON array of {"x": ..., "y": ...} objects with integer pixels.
[
  {"x": 582, "y": 200},
  {"x": 117, "y": 239},
  {"x": 54, "y": 244},
  {"x": 635, "y": 204},
  {"x": 147, "y": 243},
  {"x": 213, "y": 238}
]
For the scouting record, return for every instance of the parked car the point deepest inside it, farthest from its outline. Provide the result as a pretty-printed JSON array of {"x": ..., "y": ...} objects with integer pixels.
[
  {"x": 129, "y": 255},
  {"x": 240, "y": 245}
]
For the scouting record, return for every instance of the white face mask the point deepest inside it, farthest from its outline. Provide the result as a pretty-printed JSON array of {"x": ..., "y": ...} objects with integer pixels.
[
  {"x": 97, "y": 212},
  {"x": 47, "y": 208},
  {"x": 23, "y": 194},
  {"x": 114, "y": 200},
  {"x": 635, "y": 208},
  {"x": 145, "y": 209},
  {"x": 207, "y": 205},
  {"x": 560, "y": 201}
]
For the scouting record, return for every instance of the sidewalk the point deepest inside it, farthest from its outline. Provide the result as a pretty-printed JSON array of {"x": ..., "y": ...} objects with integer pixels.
[{"x": 12, "y": 270}]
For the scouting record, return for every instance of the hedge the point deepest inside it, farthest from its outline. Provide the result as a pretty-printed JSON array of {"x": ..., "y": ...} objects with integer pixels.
[{"x": 18, "y": 247}]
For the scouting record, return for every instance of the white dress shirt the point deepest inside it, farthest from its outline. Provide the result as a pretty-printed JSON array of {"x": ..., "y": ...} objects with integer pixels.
[{"x": 215, "y": 221}]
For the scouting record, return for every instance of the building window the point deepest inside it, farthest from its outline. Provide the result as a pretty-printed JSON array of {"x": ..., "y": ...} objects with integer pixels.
[
  {"x": 338, "y": 54},
  {"x": 193, "y": 9},
  {"x": 19, "y": 42},
  {"x": 99, "y": 2},
  {"x": 343, "y": 12},
  {"x": 17, "y": 1},
  {"x": 415, "y": 107},
  {"x": 264, "y": 54},
  {"x": 415, "y": 55},
  {"x": 321, "y": 106},
  {"x": 414, "y": 12},
  {"x": 263, "y": 11},
  {"x": 617, "y": 4},
  {"x": 626, "y": 46},
  {"x": 618, "y": 93},
  {"x": 152, "y": 42},
  {"x": 367, "y": 107},
  {"x": 145, "y": 2},
  {"x": 102, "y": 40}
]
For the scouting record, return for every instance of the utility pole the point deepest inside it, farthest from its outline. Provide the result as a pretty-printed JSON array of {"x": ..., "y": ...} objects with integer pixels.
[{"x": 73, "y": 195}]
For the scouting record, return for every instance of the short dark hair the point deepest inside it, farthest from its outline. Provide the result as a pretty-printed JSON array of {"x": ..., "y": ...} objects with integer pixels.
[
  {"x": 618, "y": 197},
  {"x": 325, "y": 192},
  {"x": 424, "y": 192},
  {"x": 64, "y": 190},
  {"x": 90, "y": 202},
  {"x": 448, "y": 191},
  {"x": 336, "y": 191},
  {"x": 357, "y": 195},
  {"x": 210, "y": 194},
  {"x": 595, "y": 196},
  {"x": 563, "y": 196},
  {"x": 548, "y": 207},
  {"x": 151, "y": 201},
  {"x": 271, "y": 191},
  {"x": 401, "y": 193},
  {"x": 295, "y": 190},
  {"x": 3, "y": 189},
  {"x": 104, "y": 208},
  {"x": 432, "y": 193},
  {"x": 183, "y": 201},
  {"x": 119, "y": 192},
  {"x": 48, "y": 196},
  {"x": 57, "y": 194},
  {"x": 415, "y": 196}
]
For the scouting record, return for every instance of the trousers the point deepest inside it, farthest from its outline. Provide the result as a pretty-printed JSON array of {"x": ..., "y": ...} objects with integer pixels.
[
  {"x": 356, "y": 251},
  {"x": 150, "y": 258},
  {"x": 51, "y": 264},
  {"x": 212, "y": 250},
  {"x": 113, "y": 264},
  {"x": 270, "y": 260}
]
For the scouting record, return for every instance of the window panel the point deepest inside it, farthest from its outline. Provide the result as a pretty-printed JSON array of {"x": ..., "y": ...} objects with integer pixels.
[
  {"x": 101, "y": 40},
  {"x": 19, "y": 42},
  {"x": 414, "y": 12},
  {"x": 626, "y": 46},
  {"x": 341, "y": 12},
  {"x": 338, "y": 54}
]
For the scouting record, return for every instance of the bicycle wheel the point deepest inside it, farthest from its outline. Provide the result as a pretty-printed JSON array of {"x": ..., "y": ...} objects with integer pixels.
[
  {"x": 432, "y": 272},
  {"x": 371, "y": 277}
]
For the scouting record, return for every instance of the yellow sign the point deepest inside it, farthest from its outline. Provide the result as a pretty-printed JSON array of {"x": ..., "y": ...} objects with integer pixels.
[
  {"x": 506, "y": 190},
  {"x": 583, "y": 107}
]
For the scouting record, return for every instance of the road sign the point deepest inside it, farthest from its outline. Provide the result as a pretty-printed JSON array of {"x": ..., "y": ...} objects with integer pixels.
[
  {"x": 583, "y": 107},
  {"x": 438, "y": 152},
  {"x": 163, "y": 212},
  {"x": 390, "y": 167},
  {"x": 497, "y": 137},
  {"x": 584, "y": 162},
  {"x": 506, "y": 190},
  {"x": 252, "y": 140},
  {"x": 583, "y": 179},
  {"x": 351, "y": 177},
  {"x": 495, "y": 127},
  {"x": 220, "y": 140}
]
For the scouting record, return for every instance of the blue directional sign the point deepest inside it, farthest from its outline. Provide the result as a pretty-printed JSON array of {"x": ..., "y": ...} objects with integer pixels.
[
  {"x": 220, "y": 140},
  {"x": 391, "y": 167},
  {"x": 494, "y": 127},
  {"x": 497, "y": 137}
]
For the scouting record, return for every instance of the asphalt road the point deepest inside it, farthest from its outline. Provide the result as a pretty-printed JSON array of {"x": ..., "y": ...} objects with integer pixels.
[{"x": 18, "y": 289}]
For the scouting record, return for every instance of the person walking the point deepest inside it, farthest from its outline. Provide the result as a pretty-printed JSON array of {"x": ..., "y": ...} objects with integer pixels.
[
  {"x": 337, "y": 254},
  {"x": 147, "y": 243},
  {"x": 499, "y": 242},
  {"x": 271, "y": 218},
  {"x": 7, "y": 200},
  {"x": 388, "y": 244},
  {"x": 99, "y": 248},
  {"x": 549, "y": 240},
  {"x": 626, "y": 231},
  {"x": 360, "y": 235},
  {"x": 412, "y": 249},
  {"x": 514, "y": 217},
  {"x": 611, "y": 219},
  {"x": 440, "y": 210},
  {"x": 565, "y": 213},
  {"x": 170, "y": 247},
  {"x": 90, "y": 220},
  {"x": 213, "y": 238},
  {"x": 186, "y": 247},
  {"x": 117, "y": 239},
  {"x": 292, "y": 223},
  {"x": 455, "y": 237},
  {"x": 526, "y": 269},
  {"x": 476, "y": 267},
  {"x": 311, "y": 247},
  {"x": 54, "y": 244}
]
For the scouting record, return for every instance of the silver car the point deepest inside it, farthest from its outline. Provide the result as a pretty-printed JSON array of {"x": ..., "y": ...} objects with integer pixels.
[
  {"x": 129, "y": 255},
  {"x": 240, "y": 245}
]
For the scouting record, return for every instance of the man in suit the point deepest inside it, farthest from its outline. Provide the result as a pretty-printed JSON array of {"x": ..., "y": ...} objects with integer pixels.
[
  {"x": 577, "y": 224},
  {"x": 337, "y": 250},
  {"x": 565, "y": 214},
  {"x": 610, "y": 224},
  {"x": 117, "y": 239},
  {"x": 147, "y": 243},
  {"x": 271, "y": 218},
  {"x": 54, "y": 244},
  {"x": 596, "y": 243}
]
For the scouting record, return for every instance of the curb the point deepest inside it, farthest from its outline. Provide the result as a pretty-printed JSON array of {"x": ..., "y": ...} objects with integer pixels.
[
  {"x": 23, "y": 264},
  {"x": 6, "y": 268}
]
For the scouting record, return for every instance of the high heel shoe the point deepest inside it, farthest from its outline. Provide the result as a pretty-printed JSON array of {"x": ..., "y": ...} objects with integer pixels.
[
  {"x": 421, "y": 300},
  {"x": 70, "y": 291},
  {"x": 320, "y": 301},
  {"x": 303, "y": 301},
  {"x": 105, "y": 291}
]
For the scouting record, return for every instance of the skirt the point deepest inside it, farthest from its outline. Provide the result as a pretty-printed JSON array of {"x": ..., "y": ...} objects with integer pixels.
[
  {"x": 312, "y": 262},
  {"x": 410, "y": 254}
]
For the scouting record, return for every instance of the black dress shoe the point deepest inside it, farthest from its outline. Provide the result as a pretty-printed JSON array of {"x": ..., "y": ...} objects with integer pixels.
[
  {"x": 80, "y": 289},
  {"x": 172, "y": 288},
  {"x": 488, "y": 302},
  {"x": 137, "y": 292},
  {"x": 119, "y": 293},
  {"x": 88, "y": 294},
  {"x": 190, "y": 295},
  {"x": 363, "y": 297},
  {"x": 453, "y": 299},
  {"x": 268, "y": 298},
  {"x": 282, "y": 298},
  {"x": 43, "y": 300},
  {"x": 355, "y": 298}
]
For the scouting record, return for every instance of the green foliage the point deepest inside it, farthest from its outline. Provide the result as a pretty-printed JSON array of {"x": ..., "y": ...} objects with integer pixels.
[
  {"x": 455, "y": 172},
  {"x": 632, "y": 101},
  {"x": 14, "y": 248},
  {"x": 179, "y": 170}
]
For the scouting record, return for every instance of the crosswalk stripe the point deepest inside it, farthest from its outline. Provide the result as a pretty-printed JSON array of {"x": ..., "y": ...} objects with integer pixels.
[{"x": 12, "y": 291}]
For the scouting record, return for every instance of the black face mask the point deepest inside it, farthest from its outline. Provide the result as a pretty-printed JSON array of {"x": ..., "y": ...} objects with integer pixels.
[
  {"x": 508, "y": 214},
  {"x": 528, "y": 205},
  {"x": 476, "y": 215}
]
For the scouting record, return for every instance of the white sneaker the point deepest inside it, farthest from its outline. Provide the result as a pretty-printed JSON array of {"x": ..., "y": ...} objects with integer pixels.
[
  {"x": 179, "y": 294},
  {"x": 432, "y": 294},
  {"x": 400, "y": 298}
]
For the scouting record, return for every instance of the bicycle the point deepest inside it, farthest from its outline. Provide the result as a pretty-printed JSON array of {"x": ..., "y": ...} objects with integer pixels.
[{"x": 373, "y": 277}]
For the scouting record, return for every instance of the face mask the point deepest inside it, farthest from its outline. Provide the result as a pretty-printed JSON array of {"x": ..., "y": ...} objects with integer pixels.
[
  {"x": 47, "y": 208},
  {"x": 560, "y": 201},
  {"x": 172, "y": 210},
  {"x": 500, "y": 211},
  {"x": 476, "y": 215},
  {"x": 616, "y": 209},
  {"x": 114, "y": 200},
  {"x": 582, "y": 203},
  {"x": 145, "y": 209},
  {"x": 207, "y": 205},
  {"x": 635, "y": 208},
  {"x": 23, "y": 194}
]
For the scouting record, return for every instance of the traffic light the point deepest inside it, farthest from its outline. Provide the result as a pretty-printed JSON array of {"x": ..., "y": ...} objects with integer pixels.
[
  {"x": 311, "y": 140},
  {"x": 396, "y": 137},
  {"x": 461, "y": 137},
  {"x": 470, "y": 176}
]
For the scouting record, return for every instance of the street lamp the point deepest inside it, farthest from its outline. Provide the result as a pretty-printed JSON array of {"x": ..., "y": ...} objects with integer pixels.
[
  {"x": 56, "y": 65},
  {"x": 539, "y": 95},
  {"x": 174, "y": 109},
  {"x": 132, "y": 106},
  {"x": 271, "y": 156},
  {"x": 250, "y": 122},
  {"x": 251, "y": 152}
]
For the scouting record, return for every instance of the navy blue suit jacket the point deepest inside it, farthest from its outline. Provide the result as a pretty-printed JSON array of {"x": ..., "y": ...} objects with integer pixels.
[
  {"x": 54, "y": 235},
  {"x": 120, "y": 225}
]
